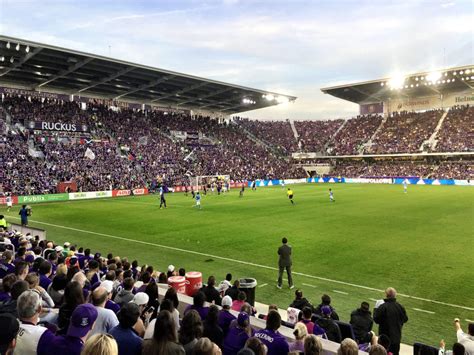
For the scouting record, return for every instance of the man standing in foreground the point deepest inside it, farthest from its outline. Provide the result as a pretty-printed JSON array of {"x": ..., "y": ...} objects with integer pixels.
[
  {"x": 390, "y": 316},
  {"x": 284, "y": 262}
]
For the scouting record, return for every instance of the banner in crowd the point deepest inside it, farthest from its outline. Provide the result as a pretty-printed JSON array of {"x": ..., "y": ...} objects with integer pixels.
[
  {"x": 57, "y": 126},
  {"x": 117, "y": 193},
  {"x": 90, "y": 194},
  {"x": 31, "y": 93},
  {"x": 42, "y": 198}
]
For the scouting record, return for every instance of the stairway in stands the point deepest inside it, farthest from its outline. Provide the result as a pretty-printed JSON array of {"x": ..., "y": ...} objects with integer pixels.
[
  {"x": 258, "y": 141},
  {"x": 430, "y": 143},
  {"x": 331, "y": 139},
  {"x": 366, "y": 147}
]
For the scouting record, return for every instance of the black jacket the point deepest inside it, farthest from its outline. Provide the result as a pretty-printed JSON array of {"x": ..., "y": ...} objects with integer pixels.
[
  {"x": 362, "y": 324},
  {"x": 233, "y": 292},
  {"x": 212, "y": 294},
  {"x": 332, "y": 329},
  {"x": 334, "y": 314},
  {"x": 285, "y": 255},
  {"x": 301, "y": 303},
  {"x": 390, "y": 316}
]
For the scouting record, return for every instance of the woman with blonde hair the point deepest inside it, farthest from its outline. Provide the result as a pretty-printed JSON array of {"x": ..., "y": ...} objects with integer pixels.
[
  {"x": 100, "y": 344},
  {"x": 312, "y": 345},
  {"x": 300, "y": 333}
]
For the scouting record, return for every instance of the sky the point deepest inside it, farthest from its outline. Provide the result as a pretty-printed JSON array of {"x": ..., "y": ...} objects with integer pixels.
[{"x": 292, "y": 47}]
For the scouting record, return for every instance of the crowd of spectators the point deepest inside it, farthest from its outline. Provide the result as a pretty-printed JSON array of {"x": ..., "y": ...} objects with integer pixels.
[
  {"x": 405, "y": 132},
  {"x": 458, "y": 169},
  {"x": 457, "y": 131},
  {"x": 354, "y": 134},
  {"x": 68, "y": 300},
  {"x": 313, "y": 135}
]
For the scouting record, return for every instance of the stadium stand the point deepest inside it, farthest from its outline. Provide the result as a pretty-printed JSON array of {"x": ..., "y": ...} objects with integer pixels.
[
  {"x": 314, "y": 135},
  {"x": 457, "y": 132}
]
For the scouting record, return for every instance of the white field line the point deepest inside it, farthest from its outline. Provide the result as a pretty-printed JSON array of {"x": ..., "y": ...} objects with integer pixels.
[
  {"x": 422, "y": 310},
  {"x": 263, "y": 285},
  {"x": 245, "y": 263},
  {"x": 341, "y": 292},
  {"x": 309, "y": 285},
  {"x": 373, "y": 299},
  {"x": 469, "y": 320}
]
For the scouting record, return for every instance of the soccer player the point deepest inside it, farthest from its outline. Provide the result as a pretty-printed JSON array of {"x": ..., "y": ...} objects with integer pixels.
[
  {"x": 290, "y": 195},
  {"x": 331, "y": 196},
  {"x": 9, "y": 202},
  {"x": 242, "y": 190},
  {"x": 198, "y": 200},
  {"x": 405, "y": 186},
  {"x": 162, "y": 197}
]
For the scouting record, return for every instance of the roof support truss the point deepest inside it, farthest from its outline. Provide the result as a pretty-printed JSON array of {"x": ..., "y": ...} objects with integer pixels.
[
  {"x": 215, "y": 93},
  {"x": 182, "y": 91},
  {"x": 146, "y": 86},
  {"x": 65, "y": 72},
  {"x": 107, "y": 79},
  {"x": 23, "y": 60}
]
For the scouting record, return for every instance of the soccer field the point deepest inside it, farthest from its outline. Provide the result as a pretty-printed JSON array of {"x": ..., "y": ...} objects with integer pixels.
[{"x": 372, "y": 237}]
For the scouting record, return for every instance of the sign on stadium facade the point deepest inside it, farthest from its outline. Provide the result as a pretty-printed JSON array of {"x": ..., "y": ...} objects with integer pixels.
[
  {"x": 31, "y": 93},
  {"x": 57, "y": 126}
]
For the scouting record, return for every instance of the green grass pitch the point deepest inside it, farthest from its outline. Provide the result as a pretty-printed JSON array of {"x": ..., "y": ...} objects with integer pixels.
[{"x": 372, "y": 237}]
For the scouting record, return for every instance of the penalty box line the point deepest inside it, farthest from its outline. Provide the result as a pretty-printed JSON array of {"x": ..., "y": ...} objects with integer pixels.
[{"x": 247, "y": 263}]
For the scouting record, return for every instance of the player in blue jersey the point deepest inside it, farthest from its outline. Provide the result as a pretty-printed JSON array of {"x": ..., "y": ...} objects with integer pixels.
[
  {"x": 331, "y": 196},
  {"x": 198, "y": 200},
  {"x": 162, "y": 197}
]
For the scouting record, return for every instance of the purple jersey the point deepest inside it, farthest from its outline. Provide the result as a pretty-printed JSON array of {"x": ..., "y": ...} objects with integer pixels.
[{"x": 275, "y": 342}]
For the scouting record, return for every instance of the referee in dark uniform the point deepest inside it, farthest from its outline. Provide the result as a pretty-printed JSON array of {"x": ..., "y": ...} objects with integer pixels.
[{"x": 284, "y": 262}]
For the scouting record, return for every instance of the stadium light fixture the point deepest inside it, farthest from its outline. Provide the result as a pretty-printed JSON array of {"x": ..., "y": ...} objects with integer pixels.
[
  {"x": 454, "y": 73},
  {"x": 467, "y": 71},
  {"x": 397, "y": 81},
  {"x": 17, "y": 47},
  {"x": 461, "y": 72},
  {"x": 381, "y": 84},
  {"x": 8, "y": 45},
  {"x": 416, "y": 79},
  {"x": 445, "y": 74},
  {"x": 12, "y": 60},
  {"x": 2, "y": 59},
  {"x": 433, "y": 77},
  {"x": 27, "y": 49},
  {"x": 270, "y": 97}
]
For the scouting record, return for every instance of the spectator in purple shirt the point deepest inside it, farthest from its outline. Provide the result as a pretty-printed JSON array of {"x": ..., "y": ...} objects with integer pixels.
[
  {"x": 237, "y": 336},
  {"x": 44, "y": 274},
  {"x": 7, "y": 266},
  {"x": 198, "y": 305},
  {"x": 82, "y": 321},
  {"x": 7, "y": 283},
  {"x": 275, "y": 342},
  {"x": 225, "y": 317}
]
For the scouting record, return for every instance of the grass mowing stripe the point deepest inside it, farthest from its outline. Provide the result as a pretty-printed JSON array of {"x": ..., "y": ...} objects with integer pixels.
[{"x": 246, "y": 263}]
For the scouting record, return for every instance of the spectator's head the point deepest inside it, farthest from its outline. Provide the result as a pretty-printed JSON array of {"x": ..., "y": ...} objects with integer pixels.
[
  {"x": 45, "y": 268},
  {"x": 18, "y": 288},
  {"x": 29, "y": 306},
  {"x": 284, "y": 240},
  {"x": 247, "y": 308},
  {"x": 348, "y": 347},
  {"x": 93, "y": 265},
  {"x": 191, "y": 327},
  {"x": 199, "y": 299},
  {"x": 272, "y": 307},
  {"x": 82, "y": 320},
  {"x": 128, "y": 315},
  {"x": 458, "y": 349},
  {"x": 312, "y": 345},
  {"x": 152, "y": 291},
  {"x": 377, "y": 349},
  {"x": 326, "y": 299},
  {"x": 365, "y": 307},
  {"x": 32, "y": 279},
  {"x": 243, "y": 320},
  {"x": 99, "y": 296},
  {"x": 384, "y": 340},
  {"x": 236, "y": 284},
  {"x": 172, "y": 296},
  {"x": 326, "y": 311},
  {"x": 228, "y": 277},
  {"x": 21, "y": 269},
  {"x": 211, "y": 281},
  {"x": 255, "y": 345},
  {"x": 7, "y": 256},
  {"x": 273, "y": 320},
  {"x": 298, "y": 294},
  {"x": 205, "y": 346},
  {"x": 242, "y": 296},
  {"x": 146, "y": 277},
  {"x": 212, "y": 315},
  {"x": 128, "y": 283},
  {"x": 109, "y": 287},
  {"x": 73, "y": 295},
  {"x": 165, "y": 330},
  {"x": 182, "y": 272},
  {"x": 59, "y": 283},
  {"x": 300, "y": 331},
  {"x": 141, "y": 300},
  {"x": 9, "y": 328},
  {"x": 307, "y": 313},
  {"x": 8, "y": 281},
  {"x": 162, "y": 278},
  {"x": 100, "y": 344},
  {"x": 390, "y": 293},
  {"x": 226, "y": 302}
]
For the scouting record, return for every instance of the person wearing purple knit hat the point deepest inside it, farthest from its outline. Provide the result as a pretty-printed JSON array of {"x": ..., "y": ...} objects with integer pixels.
[{"x": 82, "y": 321}]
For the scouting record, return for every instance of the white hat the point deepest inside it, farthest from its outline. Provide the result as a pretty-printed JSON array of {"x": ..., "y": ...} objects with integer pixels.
[
  {"x": 140, "y": 299},
  {"x": 171, "y": 268},
  {"x": 59, "y": 248},
  {"x": 108, "y": 285},
  {"x": 226, "y": 301},
  {"x": 67, "y": 245}
]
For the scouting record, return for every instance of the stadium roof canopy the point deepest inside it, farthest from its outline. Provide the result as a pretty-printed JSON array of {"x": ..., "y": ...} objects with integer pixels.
[
  {"x": 406, "y": 86},
  {"x": 42, "y": 67}
]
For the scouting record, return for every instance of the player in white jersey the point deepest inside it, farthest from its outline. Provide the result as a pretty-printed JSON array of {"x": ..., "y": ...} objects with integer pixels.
[
  {"x": 405, "y": 185},
  {"x": 9, "y": 202},
  {"x": 331, "y": 196}
]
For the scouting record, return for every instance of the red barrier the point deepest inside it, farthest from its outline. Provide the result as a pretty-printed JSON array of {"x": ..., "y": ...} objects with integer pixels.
[{"x": 116, "y": 193}]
